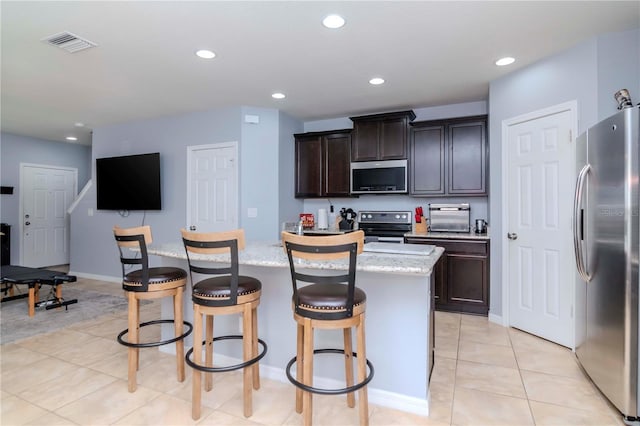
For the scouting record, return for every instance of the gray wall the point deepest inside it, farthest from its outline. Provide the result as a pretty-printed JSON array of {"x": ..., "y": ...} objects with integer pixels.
[
  {"x": 288, "y": 204},
  {"x": 589, "y": 73},
  {"x": 15, "y": 150},
  {"x": 93, "y": 251},
  {"x": 618, "y": 68}
]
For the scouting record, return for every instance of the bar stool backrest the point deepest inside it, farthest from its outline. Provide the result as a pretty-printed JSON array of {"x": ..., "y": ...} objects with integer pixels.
[
  {"x": 134, "y": 238},
  {"x": 324, "y": 248},
  {"x": 213, "y": 243}
]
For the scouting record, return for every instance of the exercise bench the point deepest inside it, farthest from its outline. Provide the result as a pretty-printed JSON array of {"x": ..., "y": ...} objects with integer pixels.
[{"x": 11, "y": 276}]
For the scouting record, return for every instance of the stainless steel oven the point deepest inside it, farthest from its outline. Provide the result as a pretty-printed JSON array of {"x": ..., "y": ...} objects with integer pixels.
[{"x": 384, "y": 226}]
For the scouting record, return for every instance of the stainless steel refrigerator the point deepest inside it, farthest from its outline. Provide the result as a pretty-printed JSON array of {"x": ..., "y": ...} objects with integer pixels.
[{"x": 606, "y": 241}]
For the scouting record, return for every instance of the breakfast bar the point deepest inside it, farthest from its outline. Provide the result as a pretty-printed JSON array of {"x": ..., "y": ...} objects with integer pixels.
[{"x": 399, "y": 324}]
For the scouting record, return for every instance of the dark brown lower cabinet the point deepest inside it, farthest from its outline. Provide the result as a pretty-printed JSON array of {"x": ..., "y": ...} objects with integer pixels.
[{"x": 461, "y": 274}]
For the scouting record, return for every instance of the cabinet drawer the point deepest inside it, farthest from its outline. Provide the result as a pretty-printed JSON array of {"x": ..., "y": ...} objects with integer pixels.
[{"x": 471, "y": 247}]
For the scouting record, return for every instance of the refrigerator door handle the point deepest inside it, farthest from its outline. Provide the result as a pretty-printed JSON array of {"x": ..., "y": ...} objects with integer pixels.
[{"x": 578, "y": 225}]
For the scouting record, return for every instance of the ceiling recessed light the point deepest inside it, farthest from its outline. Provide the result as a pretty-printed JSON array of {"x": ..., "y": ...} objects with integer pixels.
[
  {"x": 79, "y": 124},
  {"x": 333, "y": 21},
  {"x": 205, "y": 54},
  {"x": 505, "y": 61},
  {"x": 278, "y": 95},
  {"x": 71, "y": 138},
  {"x": 376, "y": 81}
]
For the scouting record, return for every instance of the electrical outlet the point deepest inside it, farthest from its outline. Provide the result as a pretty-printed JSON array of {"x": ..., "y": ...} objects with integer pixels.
[{"x": 89, "y": 212}]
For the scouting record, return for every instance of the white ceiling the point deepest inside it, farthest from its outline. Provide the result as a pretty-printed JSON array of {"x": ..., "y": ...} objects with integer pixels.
[{"x": 430, "y": 53}]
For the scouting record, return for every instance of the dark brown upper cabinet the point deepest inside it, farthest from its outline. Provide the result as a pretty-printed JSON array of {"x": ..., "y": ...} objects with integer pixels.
[
  {"x": 381, "y": 136},
  {"x": 322, "y": 164},
  {"x": 449, "y": 157}
]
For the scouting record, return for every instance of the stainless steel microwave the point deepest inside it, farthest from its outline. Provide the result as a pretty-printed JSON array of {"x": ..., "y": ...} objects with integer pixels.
[{"x": 379, "y": 177}]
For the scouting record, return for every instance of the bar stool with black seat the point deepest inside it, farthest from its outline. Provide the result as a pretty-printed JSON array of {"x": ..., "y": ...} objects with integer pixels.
[
  {"x": 227, "y": 292},
  {"x": 149, "y": 283},
  {"x": 327, "y": 302}
]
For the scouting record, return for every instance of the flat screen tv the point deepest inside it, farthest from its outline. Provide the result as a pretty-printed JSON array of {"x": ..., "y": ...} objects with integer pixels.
[{"x": 129, "y": 183}]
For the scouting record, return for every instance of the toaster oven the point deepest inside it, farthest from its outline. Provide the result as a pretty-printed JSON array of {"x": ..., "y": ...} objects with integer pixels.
[{"x": 449, "y": 217}]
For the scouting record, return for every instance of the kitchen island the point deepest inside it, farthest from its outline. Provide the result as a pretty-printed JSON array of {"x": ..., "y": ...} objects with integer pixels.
[{"x": 399, "y": 324}]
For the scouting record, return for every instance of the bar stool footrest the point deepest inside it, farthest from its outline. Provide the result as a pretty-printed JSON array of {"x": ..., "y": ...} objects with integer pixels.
[
  {"x": 329, "y": 391},
  {"x": 234, "y": 367},
  {"x": 154, "y": 344}
]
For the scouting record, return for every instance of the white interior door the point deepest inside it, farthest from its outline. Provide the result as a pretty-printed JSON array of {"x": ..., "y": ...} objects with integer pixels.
[
  {"x": 541, "y": 163},
  {"x": 212, "y": 193},
  {"x": 46, "y": 194}
]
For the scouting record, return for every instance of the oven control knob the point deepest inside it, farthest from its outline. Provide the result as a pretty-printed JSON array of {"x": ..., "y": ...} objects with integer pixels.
[
  {"x": 397, "y": 216},
  {"x": 370, "y": 216}
]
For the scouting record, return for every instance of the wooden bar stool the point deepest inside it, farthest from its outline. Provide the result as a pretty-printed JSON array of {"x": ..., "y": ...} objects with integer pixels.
[
  {"x": 148, "y": 283},
  {"x": 226, "y": 293},
  {"x": 327, "y": 302}
]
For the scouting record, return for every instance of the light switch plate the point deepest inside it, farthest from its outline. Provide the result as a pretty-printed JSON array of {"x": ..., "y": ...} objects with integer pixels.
[{"x": 252, "y": 212}]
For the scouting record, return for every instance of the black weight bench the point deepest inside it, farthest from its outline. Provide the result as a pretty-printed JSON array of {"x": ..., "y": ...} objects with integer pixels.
[{"x": 11, "y": 275}]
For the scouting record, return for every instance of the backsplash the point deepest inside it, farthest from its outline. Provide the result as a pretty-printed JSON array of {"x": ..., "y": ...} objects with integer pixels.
[{"x": 394, "y": 203}]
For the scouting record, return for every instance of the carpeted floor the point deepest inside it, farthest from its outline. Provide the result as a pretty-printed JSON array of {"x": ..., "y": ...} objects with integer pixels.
[{"x": 16, "y": 323}]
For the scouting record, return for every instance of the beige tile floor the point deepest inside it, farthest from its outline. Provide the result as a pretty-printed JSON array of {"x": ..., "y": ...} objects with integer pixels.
[{"x": 484, "y": 374}]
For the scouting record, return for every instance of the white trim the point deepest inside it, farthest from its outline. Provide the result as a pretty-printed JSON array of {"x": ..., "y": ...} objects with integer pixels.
[
  {"x": 190, "y": 151},
  {"x": 572, "y": 107},
  {"x": 21, "y": 203},
  {"x": 106, "y": 278},
  {"x": 497, "y": 319},
  {"x": 376, "y": 396},
  {"x": 80, "y": 196}
]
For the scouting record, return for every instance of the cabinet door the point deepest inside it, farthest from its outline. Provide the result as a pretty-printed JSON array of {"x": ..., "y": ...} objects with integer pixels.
[
  {"x": 466, "y": 281},
  {"x": 427, "y": 160},
  {"x": 467, "y": 158},
  {"x": 365, "y": 141},
  {"x": 392, "y": 144},
  {"x": 309, "y": 164},
  {"x": 337, "y": 165}
]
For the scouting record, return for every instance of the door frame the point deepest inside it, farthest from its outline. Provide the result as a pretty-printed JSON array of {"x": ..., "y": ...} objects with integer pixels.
[
  {"x": 219, "y": 145},
  {"x": 572, "y": 107},
  {"x": 23, "y": 166}
]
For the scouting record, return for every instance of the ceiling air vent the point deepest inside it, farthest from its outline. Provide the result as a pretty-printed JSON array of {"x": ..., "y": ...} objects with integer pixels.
[{"x": 69, "y": 42}]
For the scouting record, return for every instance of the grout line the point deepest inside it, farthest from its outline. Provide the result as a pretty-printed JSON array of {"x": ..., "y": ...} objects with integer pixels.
[{"x": 526, "y": 394}]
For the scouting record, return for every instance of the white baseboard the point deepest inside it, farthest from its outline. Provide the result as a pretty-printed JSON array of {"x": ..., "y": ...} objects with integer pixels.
[
  {"x": 96, "y": 277},
  {"x": 496, "y": 319},
  {"x": 376, "y": 396}
]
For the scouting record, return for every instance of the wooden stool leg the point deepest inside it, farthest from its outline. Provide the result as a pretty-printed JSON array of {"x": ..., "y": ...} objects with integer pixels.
[
  {"x": 348, "y": 365},
  {"x": 299, "y": 366},
  {"x": 138, "y": 333},
  {"x": 32, "y": 301},
  {"x": 179, "y": 329},
  {"x": 11, "y": 290},
  {"x": 363, "y": 400},
  {"x": 196, "y": 391},
  {"x": 208, "y": 351},
  {"x": 254, "y": 344},
  {"x": 59, "y": 294},
  {"x": 247, "y": 350},
  {"x": 132, "y": 337},
  {"x": 307, "y": 372}
]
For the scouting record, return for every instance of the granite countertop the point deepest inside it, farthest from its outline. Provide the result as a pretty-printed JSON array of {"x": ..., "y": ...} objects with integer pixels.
[
  {"x": 271, "y": 254},
  {"x": 450, "y": 235}
]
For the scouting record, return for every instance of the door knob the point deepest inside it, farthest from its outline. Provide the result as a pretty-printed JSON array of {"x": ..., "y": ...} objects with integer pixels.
[
  {"x": 192, "y": 228},
  {"x": 512, "y": 236}
]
